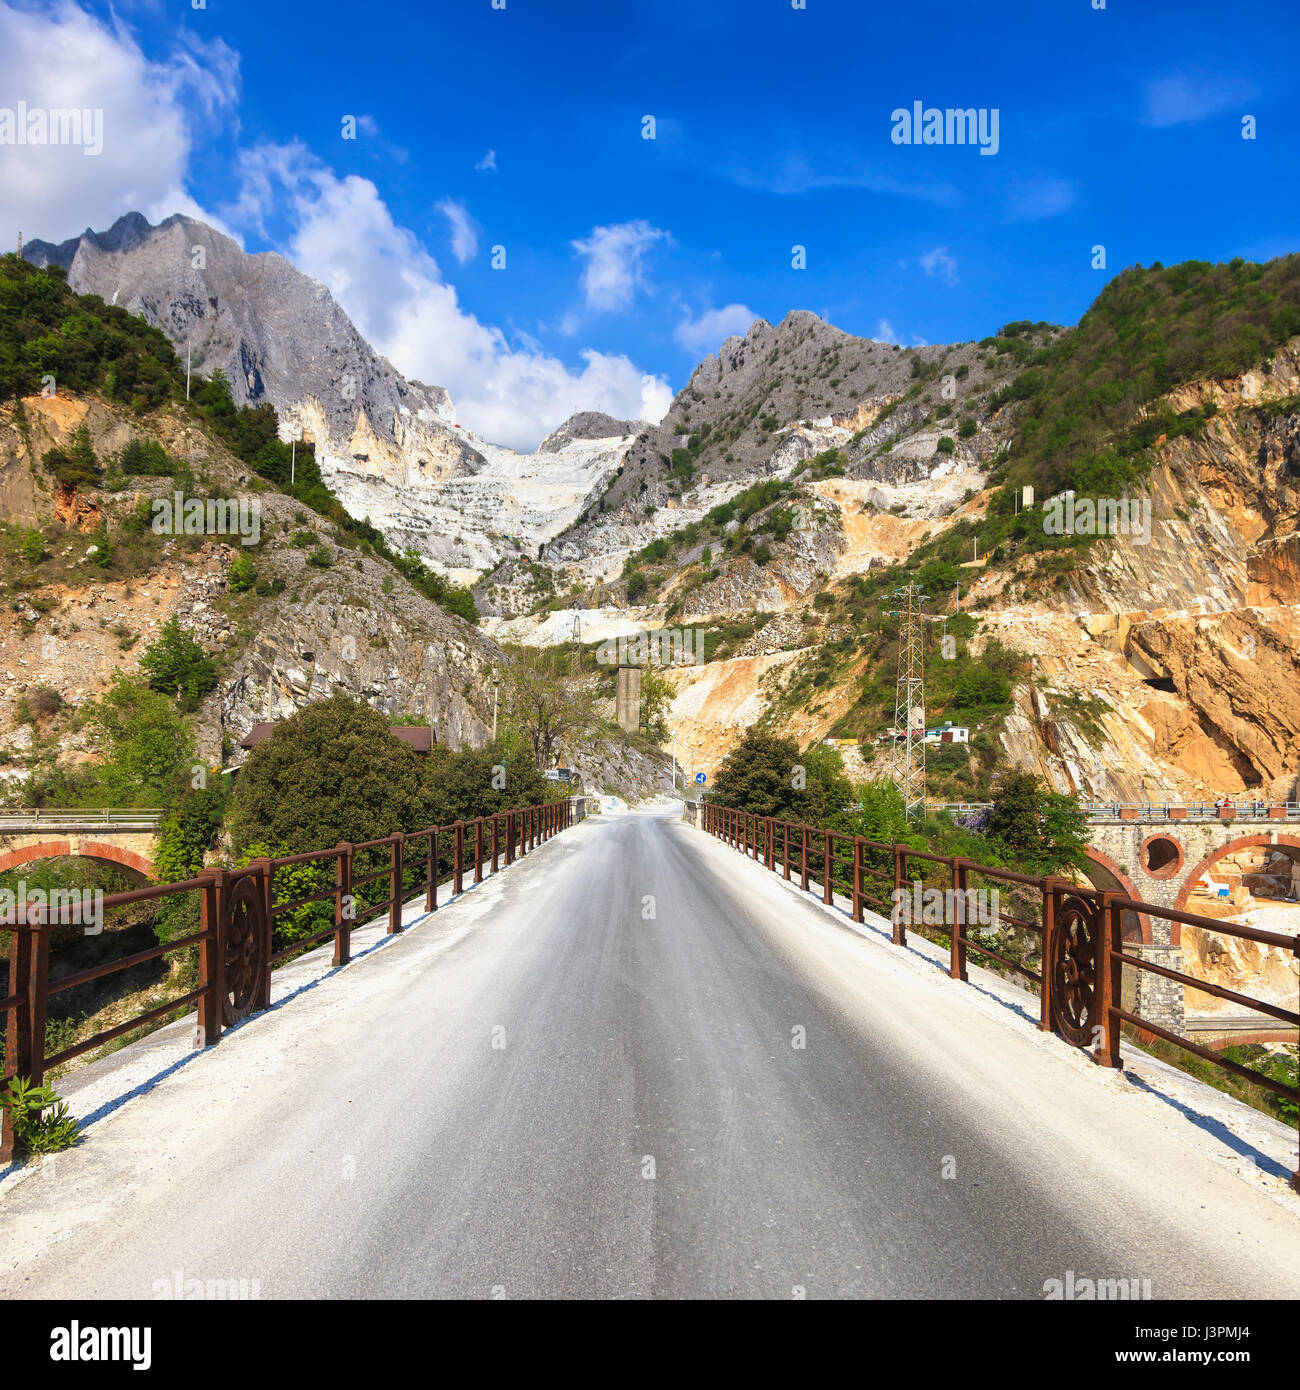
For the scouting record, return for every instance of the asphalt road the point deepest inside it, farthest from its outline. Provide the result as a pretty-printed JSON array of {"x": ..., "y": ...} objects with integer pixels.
[{"x": 581, "y": 1079}]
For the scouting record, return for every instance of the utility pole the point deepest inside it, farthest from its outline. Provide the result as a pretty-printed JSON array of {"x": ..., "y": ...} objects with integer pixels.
[
  {"x": 909, "y": 698},
  {"x": 187, "y": 371},
  {"x": 496, "y": 686},
  {"x": 293, "y": 453},
  {"x": 576, "y": 662}
]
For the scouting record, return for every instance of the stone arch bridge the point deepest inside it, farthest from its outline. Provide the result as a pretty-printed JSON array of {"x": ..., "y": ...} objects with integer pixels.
[
  {"x": 1157, "y": 853},
  {"x": 125, "y": 839}
]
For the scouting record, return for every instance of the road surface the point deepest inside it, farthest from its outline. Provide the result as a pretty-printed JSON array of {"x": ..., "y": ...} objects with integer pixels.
[{"x": 583, "y": 1079}]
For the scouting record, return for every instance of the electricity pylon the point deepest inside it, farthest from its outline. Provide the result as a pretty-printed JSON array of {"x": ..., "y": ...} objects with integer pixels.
[
  {"x": 909, "y": 699},
  {"x": 576, "y": 663}
]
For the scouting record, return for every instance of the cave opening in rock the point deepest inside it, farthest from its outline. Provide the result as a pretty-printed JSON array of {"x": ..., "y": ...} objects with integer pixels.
[{"x": 1161, "y": 683}]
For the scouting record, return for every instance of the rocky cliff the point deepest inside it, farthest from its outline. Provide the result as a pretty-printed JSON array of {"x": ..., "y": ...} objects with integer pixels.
[{"x": 278, "y": 335}]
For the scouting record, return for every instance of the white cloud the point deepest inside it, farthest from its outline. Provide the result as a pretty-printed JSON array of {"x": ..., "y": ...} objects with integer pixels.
[
  {"x": 706, "y": 333},
  {"x": 464, "y": 232},
  {"x": 1037, "y": 198},
  {"x": 615, "y": 257},
  {"x": 344, "y": 235},
  {"x": 940, "y": 265},
  {"x": 885, "y": 332},
  {"x": 489, "y": 161},
  {"x": 1182, "y": 98},
  {"x": 61, "y": 57}
]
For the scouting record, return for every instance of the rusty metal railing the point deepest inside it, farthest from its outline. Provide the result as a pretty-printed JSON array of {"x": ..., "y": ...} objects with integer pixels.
[
  {"x": 1079, "y": 929},
  {"x": 238, "y": 912}
]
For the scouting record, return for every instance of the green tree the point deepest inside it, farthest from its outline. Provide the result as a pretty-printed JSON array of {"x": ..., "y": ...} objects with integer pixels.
[
  {"x": 1041, "y": 831},
  {"x": 148, "y": 751},
  {"x": 656, "y": 696},
  {"x": 178, "y": 665},
  {"x": 333, "y": 771},
  {"x": 481, "y": 781},
  {"x": 768, "y": 776},
  {"x": 186, "y": 834}
]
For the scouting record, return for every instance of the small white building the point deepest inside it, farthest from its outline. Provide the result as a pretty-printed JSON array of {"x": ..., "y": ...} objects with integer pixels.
[{"x": 948, "y": 733}]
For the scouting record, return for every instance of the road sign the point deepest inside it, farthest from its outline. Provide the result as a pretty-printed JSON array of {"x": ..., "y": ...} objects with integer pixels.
[{"x": 701, "y": 778}]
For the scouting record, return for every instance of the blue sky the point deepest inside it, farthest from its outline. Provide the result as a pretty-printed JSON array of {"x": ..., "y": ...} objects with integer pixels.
[{"x": 627, "y": 259}]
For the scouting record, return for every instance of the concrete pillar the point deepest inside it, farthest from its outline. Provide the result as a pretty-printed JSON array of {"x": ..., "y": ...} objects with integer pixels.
[{"x": 627, "y": 699}]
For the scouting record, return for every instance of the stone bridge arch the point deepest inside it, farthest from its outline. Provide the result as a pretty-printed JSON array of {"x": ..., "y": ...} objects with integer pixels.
[
  {"x": 134, "y": 864},
  {"x": 1259, "y": 840}
]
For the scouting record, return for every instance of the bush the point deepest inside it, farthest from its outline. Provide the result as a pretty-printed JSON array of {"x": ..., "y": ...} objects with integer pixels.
[
  {"x": 76, "y": 466},
  {"x": 242, "y": 574},
  {"x": 177, "y": 665},
  {"x": 35, "y": 1131},
  {"x": 967, "y": 428},
  {"x": 946, "y": 444},
  {"x": 33, "y": 545},
  {"x": 146, "y": 458},
  {"x": 331, "y": 772}
]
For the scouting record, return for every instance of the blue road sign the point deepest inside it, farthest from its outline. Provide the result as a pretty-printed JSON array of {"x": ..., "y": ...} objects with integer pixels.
[{"x": 701, "y": 778}]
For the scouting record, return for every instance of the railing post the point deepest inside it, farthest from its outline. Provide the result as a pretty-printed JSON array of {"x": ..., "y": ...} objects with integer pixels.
[
  {"x": 395, "y": 886},
  {"x": 899, "y": 933},
  {"x": 496, "y": 834},
  {"x": 209, "y": 1020},
  {"x": 478, "y": 850},
  {"x": 510, "y": 837},
  {"x": 1108, "y": 972},
  {"x": 828, "y": 871},
  {"x": 265, "y": 873},
  {"x": 785, "y": 849},
  {"x": 343, "y": 909},
  {"x": 1049, "y": 948},
  {"x": 431, "y": 892},
  {"x": 859, "y": 862},
  {"x": 957, "y": 964},
  {"x": 803, "y": 858},
  {"x": 457, "y": 884},
  {"x": 18, "y": 1029}
]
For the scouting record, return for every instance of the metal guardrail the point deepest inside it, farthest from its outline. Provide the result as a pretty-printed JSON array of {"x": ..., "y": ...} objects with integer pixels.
[
  {"x": 236, "y": 939},
  {"x": 1155, "y": 810},
  {"x": 1082, "y": 956},
  {"x": 40, "y": 817},
  {"x": 1192, "y": 810}
]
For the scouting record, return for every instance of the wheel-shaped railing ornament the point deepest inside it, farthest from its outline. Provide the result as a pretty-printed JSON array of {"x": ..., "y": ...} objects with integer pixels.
[
  {"x": 245, "y": 947},
  {"x": 1075, "y": 946}
]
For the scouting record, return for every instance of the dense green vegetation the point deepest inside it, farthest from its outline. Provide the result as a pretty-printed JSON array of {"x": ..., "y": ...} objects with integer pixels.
[
  {"x": 88, "y": 346},
  {"x": 83, "y": 343},
  {"x": 1148, "y": 331}
]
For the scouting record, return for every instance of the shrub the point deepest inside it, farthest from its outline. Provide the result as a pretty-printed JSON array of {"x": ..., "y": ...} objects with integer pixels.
[
  {"x": 242, "y": 575},
  {"x": 34, "y": 1130},
  {"x": 177, "y": 665},
  {"x": 146, "y": 458}
]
